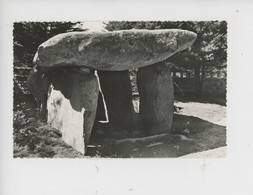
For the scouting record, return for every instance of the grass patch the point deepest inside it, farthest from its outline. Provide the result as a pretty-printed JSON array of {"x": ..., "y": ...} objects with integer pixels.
[{"x": 33, "y": 138}]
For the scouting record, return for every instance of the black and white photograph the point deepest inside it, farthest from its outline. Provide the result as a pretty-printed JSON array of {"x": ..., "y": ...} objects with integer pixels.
[
  {"x": 139, "y": 97},
  {"x": 120, "y": 89}
]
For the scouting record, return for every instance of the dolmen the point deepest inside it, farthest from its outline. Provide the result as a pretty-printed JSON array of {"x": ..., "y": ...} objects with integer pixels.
[{"x": 73, "y": 70}]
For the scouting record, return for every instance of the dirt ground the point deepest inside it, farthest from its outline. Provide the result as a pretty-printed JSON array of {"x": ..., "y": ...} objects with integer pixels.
[{"x": 203, "y": 123}]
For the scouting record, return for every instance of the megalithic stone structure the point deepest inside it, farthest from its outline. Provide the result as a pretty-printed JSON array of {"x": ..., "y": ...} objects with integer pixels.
[
  {"x": 156, "y": 91},
  {"x": 72, "y": 100},
  {"x": 71, "y": 105},
  {"x": 116, "y": 87}
]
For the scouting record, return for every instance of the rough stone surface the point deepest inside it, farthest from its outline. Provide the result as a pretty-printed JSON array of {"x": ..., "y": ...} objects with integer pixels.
[
  {"x": 117, "y": 50},
  {"x": 117, "y": 91},
  {"x": 156, "y": 91},
  {"x": 72, "y": 105},
  {"x": 38, "y": 84}
]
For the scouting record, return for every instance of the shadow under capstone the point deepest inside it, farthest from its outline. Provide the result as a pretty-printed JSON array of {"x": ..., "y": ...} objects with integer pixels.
[{"x": 202, "y": 135}]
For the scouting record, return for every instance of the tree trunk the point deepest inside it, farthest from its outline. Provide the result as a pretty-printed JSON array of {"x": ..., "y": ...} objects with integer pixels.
[
  {"x": 197, "y": 77},
  {"x": 203, "y": 75}
]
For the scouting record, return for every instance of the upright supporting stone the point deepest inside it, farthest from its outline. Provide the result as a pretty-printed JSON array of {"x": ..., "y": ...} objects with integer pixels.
[
  {"x": 117, "y": 91},
  {"x": 38, "y": 84},
  {"x": 156, "y": 91},
  {"x": 72, "y": 105}
]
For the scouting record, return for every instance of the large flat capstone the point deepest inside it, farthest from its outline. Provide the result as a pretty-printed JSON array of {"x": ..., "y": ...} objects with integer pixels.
[{"x": 117, "y": 50}]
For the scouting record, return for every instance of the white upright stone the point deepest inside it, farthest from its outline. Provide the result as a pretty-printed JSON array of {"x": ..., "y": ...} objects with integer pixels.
[{"x": 72, "y": 105}]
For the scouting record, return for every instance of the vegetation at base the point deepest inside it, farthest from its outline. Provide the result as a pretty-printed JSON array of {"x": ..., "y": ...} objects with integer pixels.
[{"x": 33, "y": 138}]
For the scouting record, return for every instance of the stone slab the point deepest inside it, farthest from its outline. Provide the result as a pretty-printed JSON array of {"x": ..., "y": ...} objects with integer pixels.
[
  {"x": 117, "y": 50},
  {"x": 38, "y": 84},
  {"x": 72, "y": 105},
  {"x": 156, "y": 91}
]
